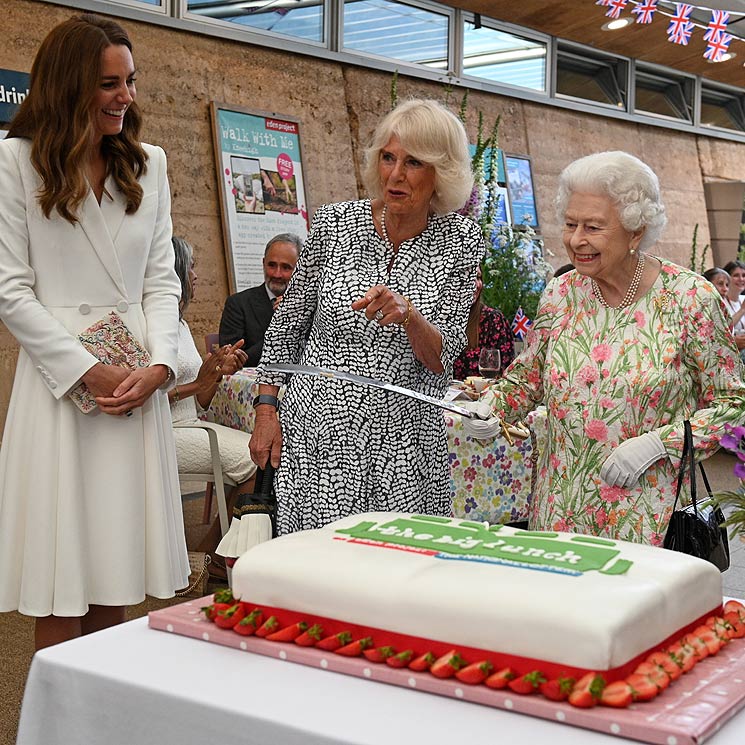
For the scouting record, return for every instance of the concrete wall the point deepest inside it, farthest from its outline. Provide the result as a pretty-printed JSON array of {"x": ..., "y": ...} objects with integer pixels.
[{"x": 338, "y": 106}]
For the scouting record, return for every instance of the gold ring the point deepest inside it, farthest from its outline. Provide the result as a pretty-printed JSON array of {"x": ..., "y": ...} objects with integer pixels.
[{"x": 218, "y": 368}]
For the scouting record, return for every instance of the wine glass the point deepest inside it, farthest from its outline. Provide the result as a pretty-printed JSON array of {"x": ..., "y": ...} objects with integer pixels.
[{"x": 490, "y": 362}]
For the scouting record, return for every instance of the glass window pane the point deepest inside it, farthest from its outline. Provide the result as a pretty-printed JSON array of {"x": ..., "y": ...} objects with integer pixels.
[
  {"x": 602, "y": 80},
  {"x": 719, "y": 109},
  {"x": 302, "y": 19},
  {"x": 663, "y": 96},
  {"x": 505, "y": 58},
  {"x": 397, "y": 31}
]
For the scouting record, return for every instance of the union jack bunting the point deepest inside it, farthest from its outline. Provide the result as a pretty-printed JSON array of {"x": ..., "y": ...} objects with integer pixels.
[
  {"x": 680, "y": 28},
  {"x": 615, "y": 8},
  {"x": 602, "y": 2},
  {"x": 645, "y": 11},
  {"x": 717, "y": 25},
  {"x": 520, "y": 324},
  {"x": 717, "y": 47}
]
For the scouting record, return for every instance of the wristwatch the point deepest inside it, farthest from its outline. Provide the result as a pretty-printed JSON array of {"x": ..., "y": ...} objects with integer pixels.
[{"x": 265, "y": 398}]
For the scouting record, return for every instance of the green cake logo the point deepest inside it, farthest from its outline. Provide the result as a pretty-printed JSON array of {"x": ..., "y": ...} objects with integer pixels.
[{"x": 461, "y": 540}]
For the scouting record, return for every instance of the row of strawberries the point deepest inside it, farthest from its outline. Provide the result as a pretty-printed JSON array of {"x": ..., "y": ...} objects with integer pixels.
[{"x": 651, "y": 677}]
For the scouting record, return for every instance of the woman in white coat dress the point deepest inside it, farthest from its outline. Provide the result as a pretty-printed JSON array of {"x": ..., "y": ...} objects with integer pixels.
[{"x": 90, "y": 512}]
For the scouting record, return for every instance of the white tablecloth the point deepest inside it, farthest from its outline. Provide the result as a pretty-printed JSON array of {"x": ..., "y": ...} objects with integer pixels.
[{"x": 132, "y": 685}]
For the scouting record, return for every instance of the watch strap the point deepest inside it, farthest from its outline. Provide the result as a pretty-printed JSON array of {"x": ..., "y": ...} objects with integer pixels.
[{"x": 266, "y": 398}]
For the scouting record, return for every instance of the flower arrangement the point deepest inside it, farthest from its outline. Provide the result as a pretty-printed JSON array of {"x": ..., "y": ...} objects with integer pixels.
[
  {"x": 514, "y": 271},
  {"x": 734, "y": 441}
]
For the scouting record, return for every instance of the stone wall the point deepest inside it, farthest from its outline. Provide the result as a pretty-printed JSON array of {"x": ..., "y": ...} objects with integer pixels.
[{"x": 179, "y": 73}]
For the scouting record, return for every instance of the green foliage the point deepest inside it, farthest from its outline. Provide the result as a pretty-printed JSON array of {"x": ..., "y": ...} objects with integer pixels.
[
  {"x": 698, "y": 265},
  {"x": 514, "y": 271}
]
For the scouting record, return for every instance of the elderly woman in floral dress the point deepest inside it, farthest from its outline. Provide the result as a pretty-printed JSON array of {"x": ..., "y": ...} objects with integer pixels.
[{"x": 623, "y": 350}]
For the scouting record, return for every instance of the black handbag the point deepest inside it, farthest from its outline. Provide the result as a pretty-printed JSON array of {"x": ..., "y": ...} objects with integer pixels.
[{"x": 697, "y": 529}]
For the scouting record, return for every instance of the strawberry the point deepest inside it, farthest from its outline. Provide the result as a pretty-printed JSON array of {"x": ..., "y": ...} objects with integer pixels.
[
  {"x": 685, "y": 655},
  {"x": 557, "y": 689},
  {"x": 737, "y": 624},
  {"x": 667, "y": 662},
  {"x": 401, "y": 659},
  {"x": 501, "y": 678},
  {"x": 709, "y": 637},
  {"x": 333, "y": 642},
  {"x": 642, "y": 687},
  {"x": 700, "y": 649},
  {"x": 378, "y": 654},
  {"x": 355, "y": 649},
  {"x": 655, "y": 673},
  {"x": 447, "y": 665},
  {"x": 587, "y": 691},
  {"x": 224, "y": 595},
  {"x": 422, "y": 663},
  {"x": 248, "y": 624},
  {"x": 528, "y": 683},
  {"x": 735, "y": 606},
  {"x": 268, "y": 627},
  {"x": 229, "y": 617},
  {"x": 475, "y": 673},
  {"x": 310, "y": 637},
  {"x": 212, "y": 610},
  {"x": 618, "y": 695},
  {"x": 288, "y": 633}
]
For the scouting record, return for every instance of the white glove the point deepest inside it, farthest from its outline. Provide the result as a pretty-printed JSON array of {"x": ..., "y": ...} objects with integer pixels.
[
  {"x": 631, "y": 458},
  {"x": 482, "y": 429}
]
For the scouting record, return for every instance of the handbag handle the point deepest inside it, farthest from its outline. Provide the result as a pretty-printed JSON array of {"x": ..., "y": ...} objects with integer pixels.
[{"x": 688, "y": 462}]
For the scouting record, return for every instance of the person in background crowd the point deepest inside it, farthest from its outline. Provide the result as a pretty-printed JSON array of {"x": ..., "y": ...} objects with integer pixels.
[
  {"x": 382, "y": 289},
  {"x": 247, "y": 314},
  {"x": 90, "y": 506},
  {"x": 563, "y": 269},
  {"x": 488, "y": 328},
  {"x": 622, "y": 351},
  {"x": 720, "y": 279},
  {"x": 196, "y": 383},
  {"x": 735, "y": 302}
]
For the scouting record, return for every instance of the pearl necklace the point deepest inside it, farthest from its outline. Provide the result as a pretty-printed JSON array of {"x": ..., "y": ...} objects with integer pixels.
[
  {"x": 388, "y": 242},
  {"x": 628, "y": 298}
]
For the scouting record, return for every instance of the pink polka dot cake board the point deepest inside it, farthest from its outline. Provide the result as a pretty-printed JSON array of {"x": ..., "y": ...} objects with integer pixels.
[{"x": 692, "y": 709}]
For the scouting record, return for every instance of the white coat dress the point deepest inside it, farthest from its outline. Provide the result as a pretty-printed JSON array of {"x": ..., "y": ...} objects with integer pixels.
[{"x": 90, "y": 509}]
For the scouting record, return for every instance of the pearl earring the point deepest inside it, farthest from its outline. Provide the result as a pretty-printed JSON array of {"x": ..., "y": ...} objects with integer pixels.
[{"x": 632, "y": 252}]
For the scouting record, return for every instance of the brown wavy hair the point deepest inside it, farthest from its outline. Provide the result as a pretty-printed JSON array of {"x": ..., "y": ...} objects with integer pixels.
[{"x": 56, "y": 117}]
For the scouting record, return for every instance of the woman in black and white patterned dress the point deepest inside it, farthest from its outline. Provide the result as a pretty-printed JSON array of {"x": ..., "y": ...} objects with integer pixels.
[{"x": 382, "y": 289}]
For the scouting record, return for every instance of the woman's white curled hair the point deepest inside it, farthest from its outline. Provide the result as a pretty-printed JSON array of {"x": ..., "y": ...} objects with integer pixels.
[{"x": 628, "y": 182}]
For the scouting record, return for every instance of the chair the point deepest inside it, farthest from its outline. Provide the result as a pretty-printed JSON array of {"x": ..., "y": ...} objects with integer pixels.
[
  {"x": 216, "y": 477},
  {"x": 210, "y": 340}
]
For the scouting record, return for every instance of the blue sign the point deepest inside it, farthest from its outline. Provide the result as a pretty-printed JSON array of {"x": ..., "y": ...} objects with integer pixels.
[{"x": 13, "y": 89}]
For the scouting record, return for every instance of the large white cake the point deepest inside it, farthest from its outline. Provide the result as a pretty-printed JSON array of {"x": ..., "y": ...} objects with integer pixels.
[{"x": 569, "y": 600}]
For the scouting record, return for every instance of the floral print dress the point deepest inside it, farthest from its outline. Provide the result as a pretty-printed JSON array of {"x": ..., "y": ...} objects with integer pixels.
[
  {"x": 606, "y": 375},
  {"x": 494, "y": 333}
]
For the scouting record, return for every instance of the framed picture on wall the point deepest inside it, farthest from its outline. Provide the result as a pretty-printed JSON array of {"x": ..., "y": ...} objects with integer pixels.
[
  {"x": 521, "y": 190},
  {"x": 262, "y": 190}
]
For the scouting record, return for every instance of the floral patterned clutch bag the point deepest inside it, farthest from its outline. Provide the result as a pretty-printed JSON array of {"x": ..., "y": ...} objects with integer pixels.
[{"x": 113, "y": 344}]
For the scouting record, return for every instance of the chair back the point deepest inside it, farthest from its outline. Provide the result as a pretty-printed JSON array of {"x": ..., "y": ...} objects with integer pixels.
[{"x": 210, "y": 340}]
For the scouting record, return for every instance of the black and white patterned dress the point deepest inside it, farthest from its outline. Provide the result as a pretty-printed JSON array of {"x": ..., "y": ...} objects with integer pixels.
[{"x": 349, "y": 449}]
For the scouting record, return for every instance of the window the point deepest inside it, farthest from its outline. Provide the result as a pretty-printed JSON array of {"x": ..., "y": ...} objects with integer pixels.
[
  {"x": 662, "y": 94},
  {"x": 590, "y": 77},
  {"x": 722, "y": 109},
  {"x": 301, "y": 19},
  {"x": 503, "y": 57},
  {"x": 397, "y": 31}
]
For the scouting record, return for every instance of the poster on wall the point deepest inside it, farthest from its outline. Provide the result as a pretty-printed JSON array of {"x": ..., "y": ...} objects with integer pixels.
[
  {"x": 521, "y": 190},
  {"x": 262, "y": 192}
]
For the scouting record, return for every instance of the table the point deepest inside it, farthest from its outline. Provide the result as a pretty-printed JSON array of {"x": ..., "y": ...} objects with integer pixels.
[
  {"x": 489, "y": 480},
  {"x": 133, "y": 685}
]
